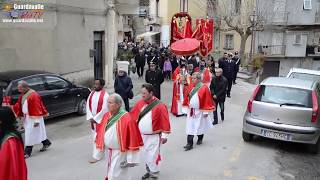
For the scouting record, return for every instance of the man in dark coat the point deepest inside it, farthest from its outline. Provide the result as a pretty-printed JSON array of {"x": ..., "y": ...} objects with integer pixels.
[
  {"x": 218, "y": 88},
  {"x": 228, "y": 66},
  {"x": 123, "y": 86},
  {"x": 155, "y": 77},
  {"x": 223, "y": 58},
  {"x": 140, "y": 62},
  {"x": 237, "y": 60}
]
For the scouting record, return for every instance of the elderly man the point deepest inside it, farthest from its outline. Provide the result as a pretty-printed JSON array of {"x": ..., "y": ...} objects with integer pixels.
[
  {"x": 218, "y": 88},
  {"x": 32, "y": 110},
  {"x": 200, "y": 104},
  {"x": 96, "y": 108},
  {"x": 153, "y": 120},
  {"x": 119, "y": 139}
]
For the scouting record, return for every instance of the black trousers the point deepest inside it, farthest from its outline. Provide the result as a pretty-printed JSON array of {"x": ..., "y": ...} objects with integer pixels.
[
  {"x": 126, "y": 103},
  {"x": 28, "y": 149},
  {"x": 190, "y": 139},
  {"x": 140, "y": 70},
  {"x": 235, "y": 76},
  {"x": 230, "y": 80},
  {"x": 215, "y": 113}
]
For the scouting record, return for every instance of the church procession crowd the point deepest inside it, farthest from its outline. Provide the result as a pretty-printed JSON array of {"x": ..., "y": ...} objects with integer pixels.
[{"x": 127, "y": 137}]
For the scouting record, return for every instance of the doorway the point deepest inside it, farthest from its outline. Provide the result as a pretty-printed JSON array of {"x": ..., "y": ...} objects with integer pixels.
[{"x": 98, "y": 55}]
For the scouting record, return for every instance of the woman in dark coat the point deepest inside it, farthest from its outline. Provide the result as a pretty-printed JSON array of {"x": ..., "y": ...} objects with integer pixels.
[{"x": 123, "y": 86}]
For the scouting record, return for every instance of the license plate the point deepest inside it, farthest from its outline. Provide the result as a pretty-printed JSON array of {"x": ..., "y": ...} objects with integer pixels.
[{"x": 276, "y": 135}]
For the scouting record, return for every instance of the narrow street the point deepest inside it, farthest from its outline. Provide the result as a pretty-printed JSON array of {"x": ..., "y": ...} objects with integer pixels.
[{"x": 223, "y": 155}]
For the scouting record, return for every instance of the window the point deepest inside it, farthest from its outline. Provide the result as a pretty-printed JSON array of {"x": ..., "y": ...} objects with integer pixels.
[
  {"x": 307, "y": 4},
  {"x": 237, "y": 7},
  {"x": 304, "y": 76},
  {"x": 280, "y": 95},
  {"x": 53, "y": 82},
  {"x": 297, "y": 38},
  {"x": 228, "y": 44},
  {"x": 35, "y": 83}
]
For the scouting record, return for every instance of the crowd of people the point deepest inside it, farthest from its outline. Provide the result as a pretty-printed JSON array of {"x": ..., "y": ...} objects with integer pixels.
[{"x": 124, "y": 135}]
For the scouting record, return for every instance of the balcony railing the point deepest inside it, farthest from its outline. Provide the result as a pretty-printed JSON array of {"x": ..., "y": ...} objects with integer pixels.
[{"x": 272, "y": 50}]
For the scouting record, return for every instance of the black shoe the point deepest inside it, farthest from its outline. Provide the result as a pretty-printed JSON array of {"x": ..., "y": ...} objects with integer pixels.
[
  {"x": 214, "y": 123},
  {"x": 222, "y": 117},
  {"x": 45, "y": 147},
  {"x": 228, "y": 96},
  {"x": 199, "y": 142},
  {"x": 188, "y": 147},
  {"x": 145, "y": 176}
]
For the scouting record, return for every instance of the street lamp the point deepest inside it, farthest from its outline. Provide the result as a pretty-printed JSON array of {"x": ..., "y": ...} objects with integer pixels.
[{"x": 253, "y": 18}]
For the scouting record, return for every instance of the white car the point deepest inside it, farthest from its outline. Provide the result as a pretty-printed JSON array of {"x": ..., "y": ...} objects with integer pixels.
[{"x": 305, "y": 74}]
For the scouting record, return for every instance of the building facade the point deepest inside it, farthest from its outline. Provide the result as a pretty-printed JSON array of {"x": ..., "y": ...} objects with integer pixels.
[
  {"x": 290, "y": 37},
  {"x": 229, "y": 40},
  {"x": 77, "y": 38}
]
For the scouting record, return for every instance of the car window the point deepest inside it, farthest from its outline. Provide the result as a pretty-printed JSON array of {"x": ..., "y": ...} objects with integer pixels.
[
  {"x": 55, "y": 83},
  {"x": 304, "y": 76},
  {"x": 35, "y": 83},
  {"x": 282, "y": 95}
]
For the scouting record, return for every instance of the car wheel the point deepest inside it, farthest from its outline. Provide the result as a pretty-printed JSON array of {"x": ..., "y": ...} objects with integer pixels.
[
  {"x": 82, "y": 107},
  {"x": 246, "y": 136},
  {"x": 314, "y": 148}
]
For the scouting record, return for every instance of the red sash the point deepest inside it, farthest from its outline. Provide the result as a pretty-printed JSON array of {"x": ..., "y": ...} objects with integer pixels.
[{"x": 100, "y": 102}]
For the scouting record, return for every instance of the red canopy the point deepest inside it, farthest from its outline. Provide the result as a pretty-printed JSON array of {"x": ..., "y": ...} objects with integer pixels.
[{"x": 184, "y": 47}]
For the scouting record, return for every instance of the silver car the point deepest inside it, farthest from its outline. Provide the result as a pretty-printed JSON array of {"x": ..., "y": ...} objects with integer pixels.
[{"x": 284, "y": 109}]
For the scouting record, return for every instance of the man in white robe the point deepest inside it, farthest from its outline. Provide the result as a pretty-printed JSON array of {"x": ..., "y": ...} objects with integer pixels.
[
  {"x": 200, "y": 105},
  {"x": 31, "y": 110},
  {"x": 96, "y": 108},
  {"x": 119, "y": 139},
  {"x": 153, "y": 120}
]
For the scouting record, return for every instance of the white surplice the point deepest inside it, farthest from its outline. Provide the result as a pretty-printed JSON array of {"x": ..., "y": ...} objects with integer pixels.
[
  {"x": 33, "y": 135},
  {"x": 96, "y": 116},
  {"x": 115, "y": 157},
  {"x": 151, "y": 142},
  {"x": 197, "y": 124}
]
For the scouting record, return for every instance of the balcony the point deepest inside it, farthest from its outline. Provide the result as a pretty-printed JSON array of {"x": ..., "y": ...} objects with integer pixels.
[
  {"x": 272, "y": 50},
  {"x": 278, "y": 18},
  {"x": 152, "y": 21}
]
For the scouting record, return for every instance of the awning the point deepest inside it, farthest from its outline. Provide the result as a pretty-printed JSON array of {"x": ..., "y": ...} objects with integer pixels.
[{"x": 147, "y": 34}]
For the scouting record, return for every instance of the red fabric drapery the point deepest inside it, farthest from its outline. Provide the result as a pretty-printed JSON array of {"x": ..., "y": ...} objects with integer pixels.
[{"x": 203, "y": 32}]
